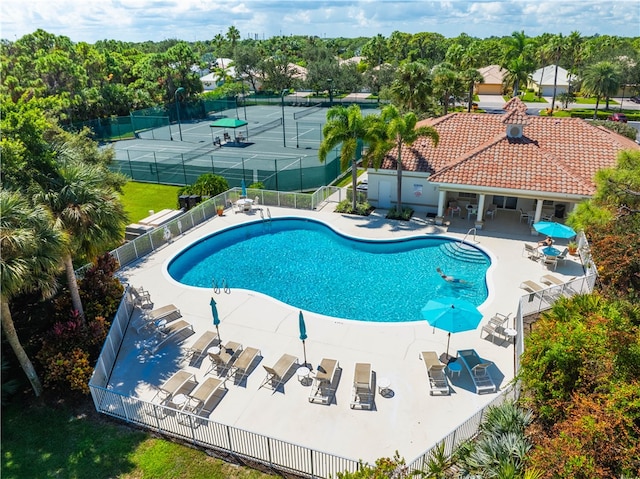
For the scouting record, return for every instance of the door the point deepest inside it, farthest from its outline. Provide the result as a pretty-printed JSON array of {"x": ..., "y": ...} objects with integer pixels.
[{"x": 384, "y": 194}]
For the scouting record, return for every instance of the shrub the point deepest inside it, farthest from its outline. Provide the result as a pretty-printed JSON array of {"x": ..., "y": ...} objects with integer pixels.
[
  {"x": 206, "y": 185},
  {"x": 362, "y": 209},
  {"x": 405, "y": 215}
]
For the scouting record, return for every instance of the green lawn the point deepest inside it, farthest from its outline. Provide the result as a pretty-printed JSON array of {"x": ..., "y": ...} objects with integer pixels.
[
  {"x": 48, "y": 441},
  {"x": 139, "y": 198},
  {"x": 592, "y": 101}
]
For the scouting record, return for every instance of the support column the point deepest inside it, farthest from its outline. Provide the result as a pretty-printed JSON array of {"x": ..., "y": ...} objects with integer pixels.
[
  {"x": 442, "y": 196},
  {"x": 479, "y": 216}
]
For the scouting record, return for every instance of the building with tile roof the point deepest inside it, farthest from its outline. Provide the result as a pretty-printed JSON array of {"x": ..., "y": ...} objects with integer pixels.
[
  {"x": 493, "y": 79},
  {"x": 513, "y": 160},
  {"x": 542, "y": 80}
]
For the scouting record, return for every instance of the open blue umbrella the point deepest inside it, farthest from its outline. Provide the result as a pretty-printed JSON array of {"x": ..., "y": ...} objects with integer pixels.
[
  {"x": 244, "y": 189},
  {"x": 453, "y": 315},
  {"x": 216, "y": 319},
  {"x": 303, "y": 335},
  {"x": 555, "y": 230}
]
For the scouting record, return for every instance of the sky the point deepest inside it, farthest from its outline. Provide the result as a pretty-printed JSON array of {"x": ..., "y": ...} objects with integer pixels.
[{"x": 193, "y": 20}]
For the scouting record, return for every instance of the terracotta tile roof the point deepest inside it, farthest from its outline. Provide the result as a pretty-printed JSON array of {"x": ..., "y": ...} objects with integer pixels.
[
  {"x": 492, "y": 74},
  {"x": 555, "y": 155}
]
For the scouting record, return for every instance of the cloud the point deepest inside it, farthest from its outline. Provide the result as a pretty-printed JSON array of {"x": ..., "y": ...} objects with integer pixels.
[{"x": 141, "y": 20}]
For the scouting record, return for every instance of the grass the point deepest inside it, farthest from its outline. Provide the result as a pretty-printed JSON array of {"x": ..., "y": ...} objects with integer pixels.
[
  {"x": 592, "y": 101},
  {"x": 348, "y": 179},
  {"x": 43, "y": 441},
  {"x": 139, "y": 198}
]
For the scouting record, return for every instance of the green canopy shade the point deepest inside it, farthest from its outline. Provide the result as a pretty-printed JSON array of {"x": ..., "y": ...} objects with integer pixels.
[{"x": 228, "y": 123}]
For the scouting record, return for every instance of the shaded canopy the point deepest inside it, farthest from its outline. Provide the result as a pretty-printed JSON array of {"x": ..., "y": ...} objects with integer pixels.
[{"x": 228, "y": 123}]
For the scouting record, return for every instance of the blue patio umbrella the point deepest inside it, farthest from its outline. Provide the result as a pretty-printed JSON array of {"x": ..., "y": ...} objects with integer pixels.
[
  {"x": 555, "y": 230},
  {"x": 244, "y": 189},
  {"x": 453, "y": 315},
  {"x": 216, "y": 318},
  {"x": 303, "y": 335}
]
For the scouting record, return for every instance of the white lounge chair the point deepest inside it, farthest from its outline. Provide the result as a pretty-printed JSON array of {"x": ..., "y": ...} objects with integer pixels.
[
  {"x": 436, "y": 375},
  {"x": 531, "y": 252},
  {"x": 176, "y": 384},
  {"x": 202, "y": 394},
  {"x": 277, "y": 374},
  {"x": 165, "y": 334},
  {"x": 221, "y": 361},
  {"x": 140, "y": 298},
  {"x": 496, "y": 326},
  {"x": 478, "y": 370},
  {"x": 157, "y": 317},
  {"x": 200, "y": 346},
  {"x": 363, "y": 394},
  {"x": 241, "y": 366},
  {"x": 323, "y": 387}
]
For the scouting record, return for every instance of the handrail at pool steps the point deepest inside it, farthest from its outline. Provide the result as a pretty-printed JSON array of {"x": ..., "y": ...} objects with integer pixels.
[{"x": 155, "y": 238}]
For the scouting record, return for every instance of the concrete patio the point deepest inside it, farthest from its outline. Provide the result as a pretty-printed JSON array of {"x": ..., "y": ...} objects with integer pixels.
[{"x": 406, "y": 418}]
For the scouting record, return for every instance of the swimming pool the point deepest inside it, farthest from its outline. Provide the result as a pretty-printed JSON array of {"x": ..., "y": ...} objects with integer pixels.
[{"x": 308, "y": 265}]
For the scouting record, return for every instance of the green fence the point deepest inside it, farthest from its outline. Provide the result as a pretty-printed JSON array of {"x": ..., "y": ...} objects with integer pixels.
[{"x": 282, "y": 174}]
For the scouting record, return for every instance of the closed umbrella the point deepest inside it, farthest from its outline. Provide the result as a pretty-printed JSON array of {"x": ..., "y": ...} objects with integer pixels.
[
  {"x": 216, "y": 319},
  {"x": 453, "y": 315},
  {"x": 303, "y": 335},
  {"x": 555, "y": 230},
  {"x": 244, "y": 189}
]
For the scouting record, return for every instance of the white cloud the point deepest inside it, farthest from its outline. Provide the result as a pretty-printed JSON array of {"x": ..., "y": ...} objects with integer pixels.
[{"x": 140, "y": 20}]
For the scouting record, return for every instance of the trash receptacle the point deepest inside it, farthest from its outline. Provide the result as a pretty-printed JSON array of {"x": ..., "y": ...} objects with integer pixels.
[
  {"x": 560, "y": 208},
  {"x": 194, "y": 200},
  {"x": 183, "y": 201}
]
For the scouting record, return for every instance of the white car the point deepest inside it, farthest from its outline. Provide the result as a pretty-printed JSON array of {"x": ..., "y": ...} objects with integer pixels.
[{"x": 363, "y": 185}]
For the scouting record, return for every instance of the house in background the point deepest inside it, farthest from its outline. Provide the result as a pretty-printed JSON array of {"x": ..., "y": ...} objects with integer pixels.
[
  {"x": 513, "y": 161},
  {"x": 493, "y": 79},
  {"x": 542, "y": 80}
]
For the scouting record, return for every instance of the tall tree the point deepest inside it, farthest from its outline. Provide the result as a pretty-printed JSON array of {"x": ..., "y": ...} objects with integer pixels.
[
  {"x": 412, "y": 87},
  {"x": 555, "y": 50},
  {"x": 31, "y": 251},
  {"x": 517, "y": 59},
  {"x": 400, "y": 130},
  {"x": 446, "y": 83},
  {"x": 233, "y": 35},
  {"x": 348, "y": 128},
  {"x": 471, "y": 77},
  {"x": 85, "y": 205},
  {"x": 602, "y": 80}
]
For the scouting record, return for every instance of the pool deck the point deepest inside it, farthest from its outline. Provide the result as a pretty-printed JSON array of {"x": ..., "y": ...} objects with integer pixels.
[{"x": 406, "y": 418}]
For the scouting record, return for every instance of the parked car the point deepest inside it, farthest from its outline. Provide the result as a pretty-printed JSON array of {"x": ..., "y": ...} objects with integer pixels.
[{"x": 621, "y": 117}]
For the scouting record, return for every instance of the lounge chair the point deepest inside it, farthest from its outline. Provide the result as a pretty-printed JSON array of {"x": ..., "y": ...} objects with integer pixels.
[
  {"x": 155, "y": 317},
  {"x": 323, "y": 387},
  {"x": 531, "y": 252},
  {"x": 496, "y": 326},
  {"x": 435, "y": 373},
  {"x": 531, "y": 286},
  {"x": 222, "y": 360},
  {"x": 241, "y": 366},
  {"x": 202, "y": 394},
  {"x": 363, "y": 393},
  {"x": 175, "y": 384},
  {"x": 165, "y": 334},
  {"x": 478, "y": 370},
  {"x": 277, "y": 374},
  {"x": 563, "y": 256},
  {"x": 199, "y": 347}
]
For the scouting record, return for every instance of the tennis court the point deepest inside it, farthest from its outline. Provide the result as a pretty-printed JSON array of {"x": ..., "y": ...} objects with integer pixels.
[{"x": 282, "y": 156}]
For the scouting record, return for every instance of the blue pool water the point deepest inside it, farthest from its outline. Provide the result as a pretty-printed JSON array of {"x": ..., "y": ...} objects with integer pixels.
[{"x": 308, "y": 265}]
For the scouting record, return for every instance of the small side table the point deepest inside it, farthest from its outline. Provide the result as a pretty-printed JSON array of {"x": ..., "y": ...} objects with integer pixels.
[
  {"x": 179, "y": 400},
  {"x": 303, "y": 373},
  {"x": 510, "y": 332},
  {"x": 384, "y": 385},
  {"x": 454, "y": 367}
]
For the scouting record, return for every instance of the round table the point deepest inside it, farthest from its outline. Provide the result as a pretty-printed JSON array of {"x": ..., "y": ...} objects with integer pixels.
[
  {"x": 383, "y": 385},
  {"x": 179, "y": 400},
  {"x": 512, "y": 333},
  {"x": 550, "y": 251},
  {"x": 303, "y": 373},
  {"x": 454, "y": 367},
  {"x": 214, "y": 350}
]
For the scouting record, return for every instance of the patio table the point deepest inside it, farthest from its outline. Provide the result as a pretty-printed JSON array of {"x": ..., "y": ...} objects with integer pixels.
[{"x": 551, "y": 251}]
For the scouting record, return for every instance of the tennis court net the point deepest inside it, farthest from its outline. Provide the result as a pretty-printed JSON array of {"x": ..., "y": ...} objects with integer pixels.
[
  {"x": 262, "y": 128},
  {"x": 307, "y": 111}
]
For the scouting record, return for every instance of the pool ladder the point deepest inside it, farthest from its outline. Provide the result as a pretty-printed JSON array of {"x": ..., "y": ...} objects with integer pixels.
[
  {"x": 268, "y": 215},
  {"x": 224, "y": 285},
  {"x": 475, "y": 231}
]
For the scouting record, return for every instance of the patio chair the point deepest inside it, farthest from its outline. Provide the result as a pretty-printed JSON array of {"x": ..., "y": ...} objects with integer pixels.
[
  {"x": 550, "y": 261},
  {"x": 202, "y": 394},
  {"x": 277, "y": 374},
  {"x": 531, "y": 252},
  {"x": 491, "y": 211},
  {"x": 323, "y": 387},
  {"x": 176, "y": 384},
  {"x": 241, "y": 366},
  {"x": 363, "y": 393},
  {"x": 158, "y": 317},
  {"x": 523, "y": 215},
  {"x": 140, "y": 298},
  {"x": 227, "y": 137},
  {"x": 436, "y": 375},
  {"x": 199, "y": 347},
  {"x": 222, "y": 360},
  {"x": 496, "y": 326},
  {"x": 531, "y": 286},
  {"x": 166, "y": 333},
  {"x": 478, "y": 370},
  {"x": 563, "y": 256}
]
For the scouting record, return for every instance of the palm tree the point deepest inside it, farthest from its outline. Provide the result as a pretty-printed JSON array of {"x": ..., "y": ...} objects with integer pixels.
[
  {"x": 471, "y": 77},
  {"x": 517, "y": 60},
  {"x": 86, "y": 206},
  {"x": 602, "y": 80},
  {"x": 518, "y": 71},
  {"x": 412, "y": 87},
  {"x": 233, "y": 35},
  {"x": 347, "y": 126},
  {"x": 555, "y": 49},
  {"x": 445, "y": 82},
  {"x": 31, "y": 252},
  {"x": 401, "y": 130}
]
